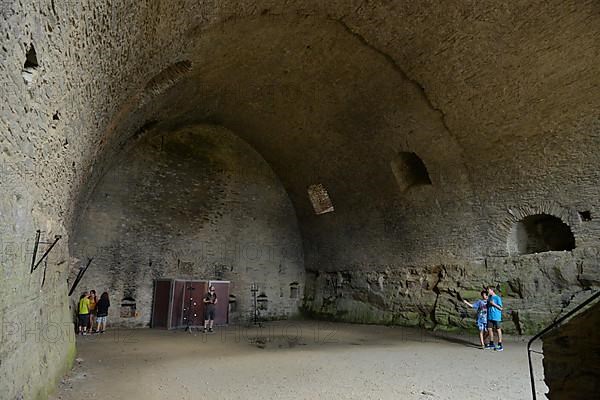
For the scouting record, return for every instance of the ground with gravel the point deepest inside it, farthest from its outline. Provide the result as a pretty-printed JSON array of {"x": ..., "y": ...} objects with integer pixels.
[{"x": 296, "y": 360}]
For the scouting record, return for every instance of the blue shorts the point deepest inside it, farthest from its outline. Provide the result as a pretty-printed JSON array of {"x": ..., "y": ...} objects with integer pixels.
[{"x": 482, "y": 326}]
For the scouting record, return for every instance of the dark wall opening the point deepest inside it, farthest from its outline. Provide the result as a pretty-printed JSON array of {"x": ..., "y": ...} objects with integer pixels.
[
  {"x": 31, "y": 60},
  {"x": 585, "y": 216},
  {"x": 409, "y": 170},
  {"x": 542, "y": 232},
  {"x": 30, "y": 67}
]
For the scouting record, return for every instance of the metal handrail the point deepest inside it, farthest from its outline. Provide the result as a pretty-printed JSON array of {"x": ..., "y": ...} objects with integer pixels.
[{"x": 549, "y": 328}]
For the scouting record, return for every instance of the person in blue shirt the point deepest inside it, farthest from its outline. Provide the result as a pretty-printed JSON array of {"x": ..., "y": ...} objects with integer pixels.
[
  {"x": 494, "y": 307},
  {"x": 482, "y": 318}
]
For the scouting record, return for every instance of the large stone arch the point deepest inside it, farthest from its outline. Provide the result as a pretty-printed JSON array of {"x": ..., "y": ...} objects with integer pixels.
[
  {"x": 449, "y": 82},
  {"x": 516, "y": 214},
  {"x": 224, "y": 215}
]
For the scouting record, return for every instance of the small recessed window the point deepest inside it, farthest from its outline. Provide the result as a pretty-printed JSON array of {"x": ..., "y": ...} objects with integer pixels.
[
  {"x": 294, "y": 290},
  {"x": 409, "y": 170},
  {"x": 319, "y": 197},
  {"x": 31, "y": 60},
  {"x": 262, "y": 301},
  {"x": 128, "y": 307},
  {"x": 232, "y": 303},
  {"x": 31, "y": 65},
  {"x": 585, "y": 216}
]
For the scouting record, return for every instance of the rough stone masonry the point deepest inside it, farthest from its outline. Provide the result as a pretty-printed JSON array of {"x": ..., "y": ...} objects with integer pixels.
[{"x": 453, "y": 138}]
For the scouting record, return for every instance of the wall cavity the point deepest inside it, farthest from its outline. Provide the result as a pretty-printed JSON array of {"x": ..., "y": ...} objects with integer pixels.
[
  {"x": 540, "y": 233},
  {"x": 409, "y": 170}
]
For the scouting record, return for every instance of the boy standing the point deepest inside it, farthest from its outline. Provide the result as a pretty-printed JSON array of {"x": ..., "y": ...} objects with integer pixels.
[
  {"x": 482, "y": 317},
  {"x": 494, "y": 307},
  {"x": 210, "y": 304}
]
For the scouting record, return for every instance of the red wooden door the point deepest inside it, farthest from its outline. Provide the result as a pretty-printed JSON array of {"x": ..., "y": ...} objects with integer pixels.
[
  {"x": 177, "y": 305},
  {"x": 160, "y": 304},
  {"x": 222, "y": 309},
  {"x": 192, "y": 304}
]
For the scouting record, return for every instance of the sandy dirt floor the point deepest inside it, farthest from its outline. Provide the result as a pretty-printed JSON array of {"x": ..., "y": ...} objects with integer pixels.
[{"x": 297, "y": 360}]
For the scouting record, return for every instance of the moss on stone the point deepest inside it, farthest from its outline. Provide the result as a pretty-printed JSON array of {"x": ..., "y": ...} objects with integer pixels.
[
  {"x": 63, "y": 368},
  {"x": 471, "y": 295}
]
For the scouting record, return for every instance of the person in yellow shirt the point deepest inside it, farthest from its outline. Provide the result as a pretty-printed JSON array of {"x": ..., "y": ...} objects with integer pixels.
[{"x": 84, "y": 313}]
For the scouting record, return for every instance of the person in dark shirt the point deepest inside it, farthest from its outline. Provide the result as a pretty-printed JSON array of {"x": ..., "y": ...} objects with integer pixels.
[
  {"x": 102, "y": 312},
  {"x": 210, "y": 305}
]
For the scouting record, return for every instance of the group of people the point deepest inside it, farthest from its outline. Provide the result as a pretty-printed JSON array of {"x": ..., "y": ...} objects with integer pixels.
[
  {"x": 489, "y": 318},
  {"x": 92, "y": 312}
]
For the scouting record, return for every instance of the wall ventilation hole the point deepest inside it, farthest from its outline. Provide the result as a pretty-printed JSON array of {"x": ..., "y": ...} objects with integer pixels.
[
  {"x": 320, "y": 199},
  {"x": 30, "y": 66},
  {"x": 128, "y": 308},
  {"x": 409, "y": 170},
  {"x": 539, "y": 233},
  {"x": 585, "y": 216}
]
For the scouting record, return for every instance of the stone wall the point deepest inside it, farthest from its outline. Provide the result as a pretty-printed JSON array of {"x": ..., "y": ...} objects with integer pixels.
[
  {"x": 499, "y": 100},
  {"x": 536, "y": 289},
  {"x": 197, "y": 203}
]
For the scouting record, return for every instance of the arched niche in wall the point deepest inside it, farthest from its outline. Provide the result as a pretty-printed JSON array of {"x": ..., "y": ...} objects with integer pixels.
[
  {"x": 128, "y": 307},
  {"x": 294, "y": 290},
  {"x": 539, "y": 233},
  {"x": 409, "y": 170},
  {"x": 232, "y": 303},
  {"x": 262, "y": 301}
]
